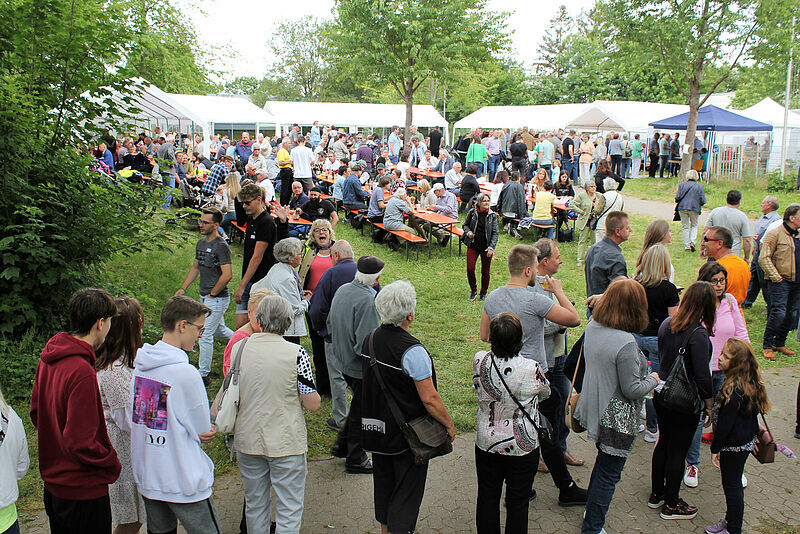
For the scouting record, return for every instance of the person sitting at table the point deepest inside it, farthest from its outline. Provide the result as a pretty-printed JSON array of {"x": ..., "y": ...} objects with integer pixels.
[
  {"x": 537, "y": 184},
  {"x": 338, "y": 184},
  {"x": 417, "y": 153},
  {"x": 397, "y": 181},
  {"x": 381, "y": 168},
  {"x": 445, "y": 162},
  {"x": 403, "y": 165},
  {"x": 427, "y": 162},
  {"x": 266, "y": 184},
  {"x": 317, "y": 208},
  {"x": 562, "y": 188},
  {"x": 469, "y": 186},
  {"x": 353, "y": 195},
  {"x": 544, "y": 207},
  {"x": 299, "y": 198},
  {"x": 377, "y": 206},
  {"x": 500, "y": 181},
  {"x": 512, "y": 204},
  {"x": 331, "y": 163},
  {"x": 452, "y": 178},
  {"x": 383, "y": 159},
  {"x": 426, "y": 196},
  {"x": 446, "y": 202},
  {"x": 398, "y": 206}
]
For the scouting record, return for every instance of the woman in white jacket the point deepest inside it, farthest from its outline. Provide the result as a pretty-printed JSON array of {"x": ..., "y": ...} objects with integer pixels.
[
  {"x": 283, "y": 279},
  {"x": 14, "y": 463},
  {"x": 614, "y": 202}
]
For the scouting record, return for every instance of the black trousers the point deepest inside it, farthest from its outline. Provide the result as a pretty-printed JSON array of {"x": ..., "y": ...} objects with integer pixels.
[
  {"x": 731, "y": 466},
  {"x": 286, "y": 177},
  {"x": 675, "y": 434},
  {"x": 398, "y": 487},
  {"x": 92, "y": 516},
  {"x": 653, "y": 168},
  {"x": 518, "y": 473},
  {"x": 616, "y": 164},
  {"x": 350, "y": 434},
  {"x": 553, "y": 456},
  {"x": 323, "y": 381}
]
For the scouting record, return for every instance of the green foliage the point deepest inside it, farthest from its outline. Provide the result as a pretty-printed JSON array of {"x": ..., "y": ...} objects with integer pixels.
[
  {"x": 18, "y": 359},
  {"x": 778, "y": 183}
]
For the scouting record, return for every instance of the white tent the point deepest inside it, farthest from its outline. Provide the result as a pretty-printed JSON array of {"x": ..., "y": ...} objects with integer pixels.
[
  {"x": 625, "y": 115},
  {"x": 226, "y": 112},
  {"x": 550, "y": 116},
  {"x": 771, "y": 112},
  {"x": 352, "y": 115}
]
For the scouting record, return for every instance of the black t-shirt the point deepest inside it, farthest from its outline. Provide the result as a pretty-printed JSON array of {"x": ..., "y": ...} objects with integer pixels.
[
  {"x": 659, "y": 298},
  {"x": 436, "y": 142},
  {"x": 561, "y": 190},
  {"x": 565, "y": 144},
  {"x": 317, "y": 209},
  {"x": 262, "y": 228},
  {"x": 518, "y": 150}
]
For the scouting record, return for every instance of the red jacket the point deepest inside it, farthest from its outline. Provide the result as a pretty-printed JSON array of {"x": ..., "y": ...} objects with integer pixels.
[{"x": 76, "y": 459}]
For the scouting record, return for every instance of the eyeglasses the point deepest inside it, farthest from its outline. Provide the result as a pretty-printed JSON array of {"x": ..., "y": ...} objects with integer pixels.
[
  {"x": 321, "y": 231},
  {"x": 718, "y": 281},
  {"x": 200, "y": 329},
  {"x": 201, "y": 221},
  {"x": 706, "y": 239}
]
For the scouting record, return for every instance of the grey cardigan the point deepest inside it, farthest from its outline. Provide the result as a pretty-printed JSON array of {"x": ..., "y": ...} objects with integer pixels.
[
  {"x": 614, "y": 364},
  {"x": 351, "y": 318}
]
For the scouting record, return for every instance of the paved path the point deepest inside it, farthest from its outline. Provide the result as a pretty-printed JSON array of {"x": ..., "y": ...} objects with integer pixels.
[{"x": 338, "y": 502}]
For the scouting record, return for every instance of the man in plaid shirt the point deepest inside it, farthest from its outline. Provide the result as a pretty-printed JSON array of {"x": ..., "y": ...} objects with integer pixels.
[{"x": 217, "y": 175}]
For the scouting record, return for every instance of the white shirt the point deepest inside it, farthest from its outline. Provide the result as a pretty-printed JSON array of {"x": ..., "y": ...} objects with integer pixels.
[
  {"x": 302, "y": 157},
  {"x": 428, "y": 163},
  {"x": 452, "y": 179},
  {"x": 266, "y": 185},
  {"x": 331, "y": 165}
]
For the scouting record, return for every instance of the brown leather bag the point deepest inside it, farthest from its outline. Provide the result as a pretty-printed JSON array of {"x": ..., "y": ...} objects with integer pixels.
[
  {"x": 572, "y": 401},
  {"x": 765, "y": 445}
]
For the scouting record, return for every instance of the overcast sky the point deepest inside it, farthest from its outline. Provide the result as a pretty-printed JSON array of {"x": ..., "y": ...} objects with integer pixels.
[{"x": 246, "y": 26}]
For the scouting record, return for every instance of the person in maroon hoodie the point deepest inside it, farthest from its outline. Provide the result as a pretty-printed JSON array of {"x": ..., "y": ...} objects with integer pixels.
[{"x": 76, "y": 459}]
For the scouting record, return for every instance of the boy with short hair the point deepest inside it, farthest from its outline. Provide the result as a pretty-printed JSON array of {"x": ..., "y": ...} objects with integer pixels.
[
  {"x": 76, "y": 459},
  {"x": 170, "y": 423}
]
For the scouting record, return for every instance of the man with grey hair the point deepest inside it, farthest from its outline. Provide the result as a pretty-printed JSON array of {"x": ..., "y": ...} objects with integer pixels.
[
  {"x": 351, "y": 318},
  {"x": 257, "y": 159},
  {"x": 769, "y": 210}
]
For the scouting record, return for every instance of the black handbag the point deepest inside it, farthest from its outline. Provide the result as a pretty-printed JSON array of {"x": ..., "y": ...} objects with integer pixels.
[
  {"x": 543, "y": 429},
  {"x": 426, "y": 437},
  {"x": 677, "y": 216},
  {"x": 679, "y": 392},
  {"x": 565, "y": 234}
]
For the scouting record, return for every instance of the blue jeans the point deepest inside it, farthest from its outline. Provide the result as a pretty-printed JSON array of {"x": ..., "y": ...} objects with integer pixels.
[
  {"x": 561, "y": 383},
  {"x": 784, "y": 302},
  {"x": 693, "y": 456},
  {"x": 605, "y": 475},
  {"x": 169, "y": 182},
  {"x": 492, "y": 164},
  {"x": 479, "y": 165},
  {"x": 546, "y": 221},
  {"x": 649, "y": 346},
  {"x": 13, "y": 529},
  {"x": 394, "y": 159},
  {"x": 227, "y": 219},
  {"x": 215, "y": 326},
  {"x": 566, "y": 166}
]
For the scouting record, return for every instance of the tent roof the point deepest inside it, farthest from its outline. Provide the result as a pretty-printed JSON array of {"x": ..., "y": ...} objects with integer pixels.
[
  {"x": 771, "y": 112},
  {"x": 351, "y": 114},
  {"x": 712, "y": 118},
  {"x": 629, "y": 116},
  {"x": 544, "y": 116},
  {"x": 224, "y": 109},
  {"x": 153, "y": 103}
]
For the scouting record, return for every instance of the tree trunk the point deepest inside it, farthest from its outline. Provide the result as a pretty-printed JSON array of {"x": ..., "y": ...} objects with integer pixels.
[
  {"x": 408, "y": 98},
  {"x": 691, "y": 128}
]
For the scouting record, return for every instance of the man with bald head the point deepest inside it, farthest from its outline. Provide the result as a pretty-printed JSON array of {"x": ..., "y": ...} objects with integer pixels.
[{"x": 342, "y": 272}]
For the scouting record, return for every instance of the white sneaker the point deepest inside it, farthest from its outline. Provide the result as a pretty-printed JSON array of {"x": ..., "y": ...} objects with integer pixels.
[
  {"x": 651, "y": 437},
  {"x": 690, "y": 477},
  {"x": 744, "y": 481},
  {"x": 641, "y": 427}
]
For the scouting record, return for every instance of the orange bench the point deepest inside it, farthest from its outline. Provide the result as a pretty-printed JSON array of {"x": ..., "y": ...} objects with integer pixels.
[
  {"x": 238, "y": 230},
  {"x": 408, "y": 237}
]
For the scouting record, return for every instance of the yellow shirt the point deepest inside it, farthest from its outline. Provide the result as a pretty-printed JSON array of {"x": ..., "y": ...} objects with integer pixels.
[
  {"x": 543, "y": 209},
  {"x": 283, "y": 156}
]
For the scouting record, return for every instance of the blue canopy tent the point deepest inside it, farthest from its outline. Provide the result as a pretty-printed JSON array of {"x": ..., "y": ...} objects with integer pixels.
[{"x": 713, "y": 119}]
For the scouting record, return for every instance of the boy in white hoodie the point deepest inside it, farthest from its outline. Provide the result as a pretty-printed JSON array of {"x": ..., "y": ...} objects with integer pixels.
[
  {"x": 170, "y": 423},
  {"x": 14, "y": 463}
]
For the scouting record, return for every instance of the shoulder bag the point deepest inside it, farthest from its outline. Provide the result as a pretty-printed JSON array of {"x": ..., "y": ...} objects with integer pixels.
[
  {"x": 572, "y": 399},
  {"x": 426, "y": 436},
  {"x": 225, "y": 407},
  {"x": 679, "y": 392},
  {"x": 543, "y": 430},
  {"x": 765, "y": 448},
  {"x": 677, "y": 215},
  {"x": 593, "y": 219}
]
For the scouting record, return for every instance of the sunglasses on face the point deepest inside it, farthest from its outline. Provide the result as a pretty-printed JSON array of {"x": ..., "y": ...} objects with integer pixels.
[{"x": 706, "y": 239}]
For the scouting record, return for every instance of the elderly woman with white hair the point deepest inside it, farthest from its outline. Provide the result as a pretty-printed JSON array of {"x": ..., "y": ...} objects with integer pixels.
[
  {"x": 398, "y": 206},
  {"x": 406, "y": 369},
  {"x": 445, "y": 162},
  {"x": 275, "y": 384},
  {"x": 283, "y": 279},
  {"x": 613, "y": 202},
  {"x": 690, "y": 198}
]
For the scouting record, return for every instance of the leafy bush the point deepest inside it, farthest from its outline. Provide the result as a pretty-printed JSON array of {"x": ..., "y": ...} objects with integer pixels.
[{"x": 781, "y": 184}]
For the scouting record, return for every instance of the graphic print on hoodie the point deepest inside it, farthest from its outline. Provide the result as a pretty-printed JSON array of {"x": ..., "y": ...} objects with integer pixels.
[{"x": 170, "y": 411}]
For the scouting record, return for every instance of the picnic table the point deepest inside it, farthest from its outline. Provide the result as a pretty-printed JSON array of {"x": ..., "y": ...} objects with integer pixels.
[
  {"x": 437, "y": 221},
  {"x": 425, "y": 173},
  {"x": 560, "y": 203}
]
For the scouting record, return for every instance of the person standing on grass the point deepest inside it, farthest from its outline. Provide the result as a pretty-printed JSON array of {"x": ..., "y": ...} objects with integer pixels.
[
  {"x": 532, "y": 308},
  {"x": 690, "y": 199},
  {"x": 76, "y": 459},
  {"x": 717, "y": 245},
  {"x": 14, "y": 464},
  {"x": 604, "y": 261},
  {"x": 171, "y": 423},
  {"x": 481, "y": 231},
  {"x": 734, "y": 219},
  {"x": 742, "y": 397},
  {"x": 588, "y": 204},
  {"x": 212, "y": 262},
  {"x": 652, "y": 154},
  {"x": 637, "y": 150},
  {"x": 769, "y": 210},
  {"x": 476, "y": 155}
]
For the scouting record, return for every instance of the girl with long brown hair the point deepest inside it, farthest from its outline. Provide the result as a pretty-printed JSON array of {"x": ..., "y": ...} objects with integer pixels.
[
  {"x": 114, "y": 364},
  {"x": 742, "y": 397}
]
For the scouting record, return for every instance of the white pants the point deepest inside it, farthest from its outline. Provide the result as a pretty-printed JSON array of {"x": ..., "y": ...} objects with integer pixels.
[
  {"x": 287, "y": 476},
  {"x": 584, "y": 172},
  {"x": 689, "y": 224},
  {"x": 637, "y": 163}
]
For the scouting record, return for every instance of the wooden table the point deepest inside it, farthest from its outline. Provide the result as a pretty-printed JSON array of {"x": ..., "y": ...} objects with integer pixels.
[
  {"x": 436, "y": 220},
  {"x": 560, "y": 203},
  {"x": 425, "y": 173}
]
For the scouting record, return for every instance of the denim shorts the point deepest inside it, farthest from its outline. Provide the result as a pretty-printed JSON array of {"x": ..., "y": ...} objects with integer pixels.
[{"x": 241, "y": 308}]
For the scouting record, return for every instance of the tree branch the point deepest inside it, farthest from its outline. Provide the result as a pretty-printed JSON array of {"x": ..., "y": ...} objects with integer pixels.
[
  {"x": 666, "y": 67},
  {"x": 733, "y": 63}
]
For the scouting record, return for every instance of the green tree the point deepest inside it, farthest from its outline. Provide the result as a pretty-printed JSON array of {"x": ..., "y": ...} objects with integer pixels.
[
  {"x": 403, "y": 44},
  {"x": 689, "y": 37},
  {"x": 259, "y": 91},
  {"x": 551, "y": 59},
  {"x": 302, "y": 62}
]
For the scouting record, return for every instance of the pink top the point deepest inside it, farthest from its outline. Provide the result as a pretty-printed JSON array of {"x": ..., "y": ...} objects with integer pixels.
[
  {"x": 729, "y": 323},
  {"x": 319, "y": 265},
  {"x": 226, "y": 356}
]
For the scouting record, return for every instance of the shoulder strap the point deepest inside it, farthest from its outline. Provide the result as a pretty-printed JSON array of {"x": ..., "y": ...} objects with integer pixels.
[
  {"x": 682, "y": 349},
  {"x": 376, "y": 367},
  {"x": 684, "y": 194},
  {"x": 771, "y": 437},
  {"x": 518, "y": 403},
  {"x": 575, "y": 374},
  {"x": 237, "y": 360}
]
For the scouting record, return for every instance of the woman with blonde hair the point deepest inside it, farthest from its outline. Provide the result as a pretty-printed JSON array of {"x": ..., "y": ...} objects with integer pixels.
[
  {"x": 14, "y": 463},
  {"x": 657, "y": 232},
  {"x": 652, "y": 271},
  {"x": 427, "y": 198}
]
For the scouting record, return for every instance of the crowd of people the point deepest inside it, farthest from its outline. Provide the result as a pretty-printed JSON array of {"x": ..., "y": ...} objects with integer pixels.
[{"x": 122, "y": 424}]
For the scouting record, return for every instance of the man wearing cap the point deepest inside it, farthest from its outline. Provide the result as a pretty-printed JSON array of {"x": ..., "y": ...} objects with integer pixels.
[
  {"x": 446, "y": 202},
  {"x": 223, "y": 150},
  {"x": 317, "y": 208},
  {"x": 381, "y": 168},
  {"x": 302, "y": 158},
  {"x": 257, "y": 159},
  {"x": 351, "y": 318}
]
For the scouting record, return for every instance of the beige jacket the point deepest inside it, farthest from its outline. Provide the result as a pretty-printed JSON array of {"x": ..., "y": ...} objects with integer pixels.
[{"x": 777, "y": 255}]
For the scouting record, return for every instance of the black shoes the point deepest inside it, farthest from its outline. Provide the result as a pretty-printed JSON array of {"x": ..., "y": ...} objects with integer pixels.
[
  {"x": 330, "y": 423},
  {"x": 339, "y": 450},
  {"x": 681, "y": 510},
  {"x": 364, "y": 468},
  {"x": 473, "y": 295},
  {"x": 572, "y": 495},
  {"x": 655, "y": 501}
]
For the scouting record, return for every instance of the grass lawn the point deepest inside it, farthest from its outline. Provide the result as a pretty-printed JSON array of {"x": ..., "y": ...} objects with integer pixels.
[
  {"x": 753, "y": 192},
  {"x": 446, "y": 322}
]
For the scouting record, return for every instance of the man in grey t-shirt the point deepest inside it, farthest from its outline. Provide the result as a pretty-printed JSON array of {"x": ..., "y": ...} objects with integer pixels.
[
  {"x": 732, "y": 218},
  {"x": 212, "y": 263}
]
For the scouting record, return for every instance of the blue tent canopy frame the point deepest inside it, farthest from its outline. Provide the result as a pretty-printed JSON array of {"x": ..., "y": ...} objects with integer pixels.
[{"x": 714, "y": 119}]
